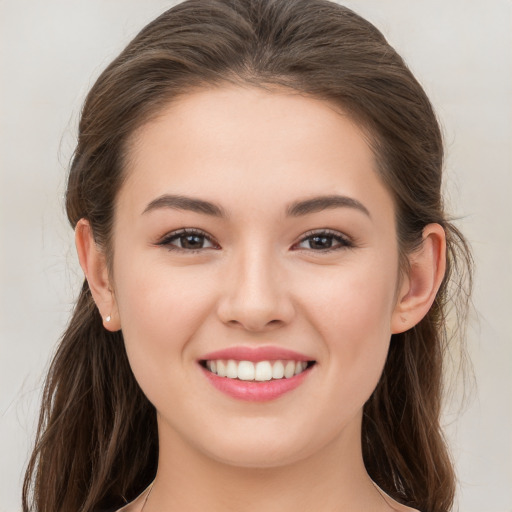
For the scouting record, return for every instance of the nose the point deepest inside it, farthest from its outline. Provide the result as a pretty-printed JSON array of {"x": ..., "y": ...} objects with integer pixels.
[{"x": 255, "y": 294}]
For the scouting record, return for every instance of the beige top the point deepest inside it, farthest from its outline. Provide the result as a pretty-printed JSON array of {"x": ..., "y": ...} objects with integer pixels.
[
  {"x": 397, "y": 507},
  {"x": 138, "y": 504}
]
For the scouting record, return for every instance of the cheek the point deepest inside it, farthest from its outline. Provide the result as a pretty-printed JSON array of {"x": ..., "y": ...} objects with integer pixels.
[
  {"x": 353, "y": 315},
  {"x": 160, "y": 310},
  {"x": 355, "y": 302}
]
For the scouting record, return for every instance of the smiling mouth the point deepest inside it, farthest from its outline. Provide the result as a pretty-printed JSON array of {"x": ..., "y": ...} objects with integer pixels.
[{"x": 261, "y": 371}]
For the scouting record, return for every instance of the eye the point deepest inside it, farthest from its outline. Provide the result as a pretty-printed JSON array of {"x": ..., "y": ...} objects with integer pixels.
[
  {"x": 187, "y": 240},
  {"x": 324, "y": 241}
]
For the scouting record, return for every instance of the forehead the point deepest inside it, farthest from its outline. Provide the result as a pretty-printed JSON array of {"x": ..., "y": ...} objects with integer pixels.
[{"x": 251, "y": 147}]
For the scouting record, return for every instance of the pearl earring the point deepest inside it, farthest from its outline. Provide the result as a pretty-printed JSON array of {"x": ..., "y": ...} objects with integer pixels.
[{"x": 108, "y": 318}]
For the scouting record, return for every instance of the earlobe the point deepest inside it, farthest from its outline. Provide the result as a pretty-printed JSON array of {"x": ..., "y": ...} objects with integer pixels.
[
  {"x": 94, "y": 264},
  {"x": 427, "y": 266}
]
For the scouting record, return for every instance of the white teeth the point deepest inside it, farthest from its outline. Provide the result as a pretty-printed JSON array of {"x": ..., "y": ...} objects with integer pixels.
[
  {"x": 263, "y": 371},
  {"x": 300, "y": 367},
  {"x": 278, "y": 370},
  {"x": 246, "y": 370},
  {"x": 260, "y": 371},
  {"x": 289, "y": 369},
  {"x": 232, "y": 369},
  {"x": 221, "y": 368}
]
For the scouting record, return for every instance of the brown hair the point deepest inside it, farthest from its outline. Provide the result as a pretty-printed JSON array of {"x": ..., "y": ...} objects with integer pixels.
[{"x": 97, "y": 443}]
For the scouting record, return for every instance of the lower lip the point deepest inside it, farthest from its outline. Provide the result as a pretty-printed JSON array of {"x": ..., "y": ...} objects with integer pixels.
[{"x": 252, "y": 391}]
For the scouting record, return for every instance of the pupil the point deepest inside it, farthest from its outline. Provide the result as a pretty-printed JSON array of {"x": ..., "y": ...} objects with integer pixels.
[
  {"x": 191, "y": 241},
  {"x": 320, "y": 242}
]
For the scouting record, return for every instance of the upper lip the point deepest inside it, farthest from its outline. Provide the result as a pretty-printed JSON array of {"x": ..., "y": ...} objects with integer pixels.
[{"x": 255, "y": 354}]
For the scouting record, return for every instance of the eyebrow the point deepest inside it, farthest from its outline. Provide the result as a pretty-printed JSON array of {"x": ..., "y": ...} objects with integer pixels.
[
  {"x": 295, "y": 209},
  {"x": 186, "y": 203},
  {"x": 320, "y": 203}
]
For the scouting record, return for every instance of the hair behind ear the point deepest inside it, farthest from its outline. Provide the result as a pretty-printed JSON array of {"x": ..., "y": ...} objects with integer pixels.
[
  {"x": 402, "y": 439},
  {"x": 91, "y": 405}
]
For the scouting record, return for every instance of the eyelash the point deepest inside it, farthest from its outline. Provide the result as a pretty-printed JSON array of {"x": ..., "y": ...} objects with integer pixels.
[
  {"x": 343, "y": 241},
  {"x": 167, "y": 239}
]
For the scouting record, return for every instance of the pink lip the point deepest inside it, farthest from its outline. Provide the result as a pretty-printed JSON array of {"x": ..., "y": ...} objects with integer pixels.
[
  {"x": 256, "y": 354},
  {"x": 252, "y": 391}
]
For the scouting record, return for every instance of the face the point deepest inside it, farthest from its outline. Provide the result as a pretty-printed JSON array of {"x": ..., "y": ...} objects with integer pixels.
[{"x": 254, "y": 223}]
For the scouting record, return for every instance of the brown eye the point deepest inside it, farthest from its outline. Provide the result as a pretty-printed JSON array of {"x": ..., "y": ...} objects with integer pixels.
[
  {"x": 187, "y": 240},
  {"x": 191, "y": 241},
  {"x": 324, "y": 241}
]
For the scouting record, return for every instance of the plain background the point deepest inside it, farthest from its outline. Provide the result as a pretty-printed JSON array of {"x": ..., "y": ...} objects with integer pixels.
[{"x": 50, "y": 54}]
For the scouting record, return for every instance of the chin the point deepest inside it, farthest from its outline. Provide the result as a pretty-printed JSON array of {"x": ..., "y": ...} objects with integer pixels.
[
  {"x": 260, "y": 448},
  {"x": 257, "y": 457}
]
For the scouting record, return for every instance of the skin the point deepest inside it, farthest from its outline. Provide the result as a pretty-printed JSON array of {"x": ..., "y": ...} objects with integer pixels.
[{"x": 258, "y": 280}]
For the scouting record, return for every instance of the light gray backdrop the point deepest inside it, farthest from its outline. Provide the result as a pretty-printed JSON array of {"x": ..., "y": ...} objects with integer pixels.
[{"x": 50, "y": 54}]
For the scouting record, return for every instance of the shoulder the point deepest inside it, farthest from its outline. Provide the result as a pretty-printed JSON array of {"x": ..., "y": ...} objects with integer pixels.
[
  {"x": 130, "y": 507},
  {"x": 137, "y": 504},
  {"x": 397, "y": 507},
  {"x": 125, "y": 508},
  {"x": 394, "y": 505}
]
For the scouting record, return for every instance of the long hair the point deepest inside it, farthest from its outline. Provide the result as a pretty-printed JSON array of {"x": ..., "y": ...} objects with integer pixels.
[{"x": 97, "y": 443}]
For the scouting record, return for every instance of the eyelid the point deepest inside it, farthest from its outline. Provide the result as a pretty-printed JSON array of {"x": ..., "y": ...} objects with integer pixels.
[
  {"x": 165, "y": 241},
  {"x": 346, "y": 241}
]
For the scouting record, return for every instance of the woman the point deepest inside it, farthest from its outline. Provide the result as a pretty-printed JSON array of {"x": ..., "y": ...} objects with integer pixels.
[{"x": 256, "y": 199}]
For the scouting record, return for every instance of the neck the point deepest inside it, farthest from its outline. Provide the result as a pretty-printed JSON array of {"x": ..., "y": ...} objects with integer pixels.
[{"x": 332, "y": 479}]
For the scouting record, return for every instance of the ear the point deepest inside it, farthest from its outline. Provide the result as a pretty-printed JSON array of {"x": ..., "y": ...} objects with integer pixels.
[
  {"x": 94, "y": 264},
  {"x": 418, "y": 290}
]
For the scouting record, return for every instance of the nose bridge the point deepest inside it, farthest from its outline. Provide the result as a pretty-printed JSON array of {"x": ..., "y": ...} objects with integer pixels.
[{"x": 256, "y": 295}]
